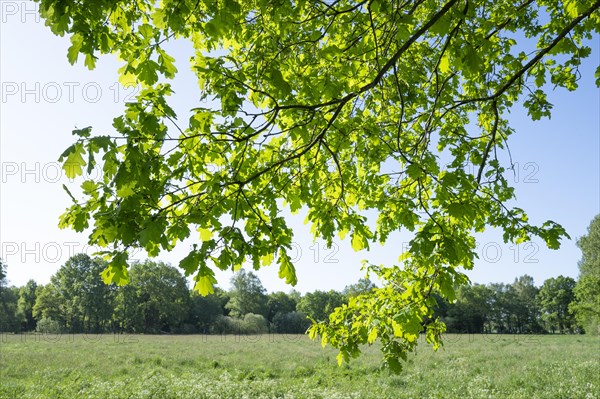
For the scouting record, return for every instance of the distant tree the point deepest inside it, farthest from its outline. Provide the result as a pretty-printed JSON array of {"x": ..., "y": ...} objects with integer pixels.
[
  {"x": 587, "y": 290},
  {"x": 280, "y": 302},
  {"x": 502, "y": 308},
  {"x": 50, "y": 306},
  {"x": 3, "y": 281},
  {"x": 9, "y": 320},
  {"x": 290, "y": 323},
  {"x": 204, "y": 310},
  {"x": 470, "y": 313},
  {"x": 27, "y": 298},
  {"x": 156, "y": 300},
  {"x": 526, "y": 308},
  {"x": 363, "y": 286},
  {"x": 87, "y": 301},
  {"x": 247, "y": 295},
  {"x": 555, "y": 296},
  {"x": 318, "y": 305}
]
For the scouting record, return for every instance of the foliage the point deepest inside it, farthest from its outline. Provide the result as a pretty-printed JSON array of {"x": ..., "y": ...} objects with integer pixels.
[
  {"x": 156, "y": 299},
  {"x": 555, "y": 296},
  {"x": 526, "y": 306},
  {"x": 318, "y": 305},
  {"x": 76, "y": 297},
  {"x": 290, "y": 323},
  {"x": 256, "y": 324},
  {"x": 3, "y": 268},
  {"x": 493, "y": 308},
  {"x": 280, "y": 302},
  {"x": 204, "y": 310},
  {"x": 503, "y": 307},
  {"x": 9, "y": 318},
  {"x": 472, "y": 311},
  {"x": 363, "y": 286},
  {"x": 250, "y": 324},
  {"x": 49, "y": 326},
  {"x": 247, "y": 295},
  {"x": 587, "y": 289},
  {"x": 27, "y": 299},
  {"x": 344, "y": 110},
  {"x": 50, "y": 305}
]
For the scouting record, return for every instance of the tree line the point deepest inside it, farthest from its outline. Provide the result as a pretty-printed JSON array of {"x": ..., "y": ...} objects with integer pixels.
[{"x": 158, "y": 300}]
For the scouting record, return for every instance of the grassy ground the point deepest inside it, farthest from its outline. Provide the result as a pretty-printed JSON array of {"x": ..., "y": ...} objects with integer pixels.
[{"x": 278, "y": 366}]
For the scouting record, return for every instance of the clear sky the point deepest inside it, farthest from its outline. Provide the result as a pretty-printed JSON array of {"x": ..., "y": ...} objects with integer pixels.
[{"x": 44, "y": 98}]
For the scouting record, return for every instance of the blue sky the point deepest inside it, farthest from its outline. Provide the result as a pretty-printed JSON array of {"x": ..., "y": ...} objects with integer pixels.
[{"x": 44, "y": 98}]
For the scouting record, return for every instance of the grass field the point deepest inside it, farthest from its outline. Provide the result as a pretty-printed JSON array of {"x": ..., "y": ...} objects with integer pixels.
[{"x": 278, "y": 366}]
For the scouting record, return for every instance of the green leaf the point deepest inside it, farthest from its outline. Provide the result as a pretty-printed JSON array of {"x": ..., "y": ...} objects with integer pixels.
[
  {"x": 445, "y": 64},
  {"x": 359, "y": 242},
  {"x": 205, "y": 234},
  {"x": 73, "y": 52},
  {"x": 414, "y": 171},
  {"x": 167, "y": 63},
  {"x": 442, "y": 26},
  {"x": 90, "y": 61},
  {"x": 472, "y": 61},
  {"x": 126, "y": 191},
  {"x": 279, "y": 82},
  {"x": 287, "y": 270},
  {"x": 205, "y": 280},
  {"x": 372, "y": 335},
  {"x": 190, "y": 263},
  {"x": 85, "y": 132},
  {"x": 87, "y": 186},
  {"x": 151, "y": 233},
  {"x": 267, "y": 260},
  {"x": 116, "y": 271},
  {"x": 572, "y": 8},
  {"x": 146, "y": 31},
  {"x": 73, "y": 161},
  {"x": 147, "y": 72}
]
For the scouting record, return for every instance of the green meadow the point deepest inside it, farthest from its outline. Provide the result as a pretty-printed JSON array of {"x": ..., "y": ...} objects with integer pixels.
[{"x": 291, "y": 366}]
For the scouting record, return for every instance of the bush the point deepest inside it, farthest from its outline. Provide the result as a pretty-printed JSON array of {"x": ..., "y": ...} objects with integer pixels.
[
  {"x": 291, "y": 323},
  {"x": 250, "y": 324},
  {"x": 255, "y": 324},
  {"x": 48, "y": 326}
]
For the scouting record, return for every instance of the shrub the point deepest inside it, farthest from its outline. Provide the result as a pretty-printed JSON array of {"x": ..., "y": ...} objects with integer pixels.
[{"x": 48, "y": 326}]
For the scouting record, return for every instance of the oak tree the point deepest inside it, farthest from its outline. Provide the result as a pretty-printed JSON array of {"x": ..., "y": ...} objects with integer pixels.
[{"x": 366, "y": 115}]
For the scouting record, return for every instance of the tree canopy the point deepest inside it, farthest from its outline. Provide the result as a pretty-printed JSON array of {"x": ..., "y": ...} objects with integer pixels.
[
  {"x": 368, "y": 116},
  {"x": 247, "y": 295},
  {"x": 555, "y": 296},
  {"x": 76, "y": 297},
  {"x": 587, "y": 289}
]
